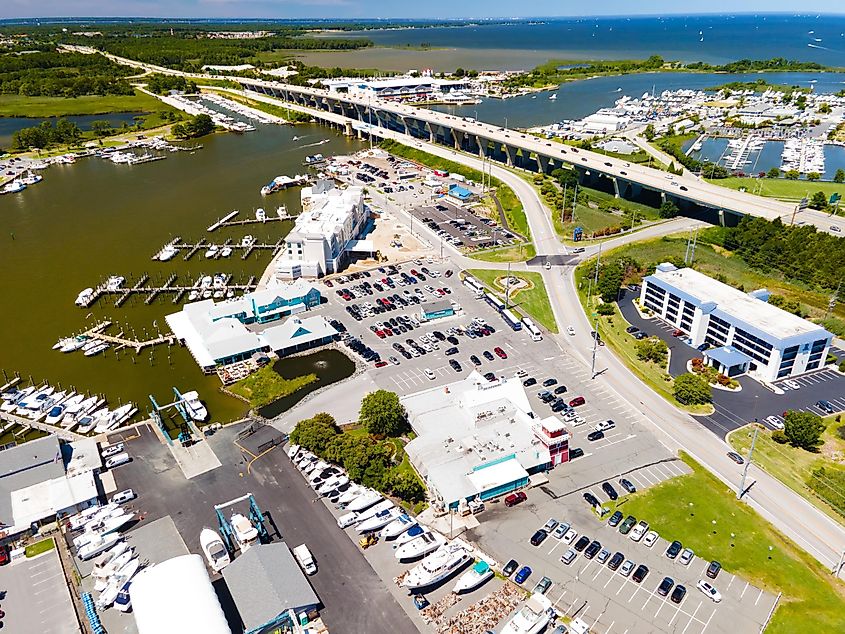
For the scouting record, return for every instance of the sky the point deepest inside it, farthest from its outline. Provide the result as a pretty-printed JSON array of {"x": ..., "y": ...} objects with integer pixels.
[{"x": 397, "y": 8}]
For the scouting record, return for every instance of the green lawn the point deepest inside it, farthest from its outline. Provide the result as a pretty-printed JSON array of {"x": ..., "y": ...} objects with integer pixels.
[
  {"x": 266, "y": 386},
  {"x": 780, "y": 187},
  {"x": 40, "y": 547},
  {"x": 705, "y": 515},
  {"x": 533, "y": 302},
  {"x": 19, "y": 106},
  {"x": 520, "y": 253}
]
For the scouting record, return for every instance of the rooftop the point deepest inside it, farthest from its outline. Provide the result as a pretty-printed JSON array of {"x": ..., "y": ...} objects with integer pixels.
[
  {"x": 328, "y": 211},
  {"x": 298, "y": 331}
]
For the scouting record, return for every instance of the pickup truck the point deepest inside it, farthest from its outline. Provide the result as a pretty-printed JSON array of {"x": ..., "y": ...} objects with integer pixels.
[{"x": 305, "y": 559}]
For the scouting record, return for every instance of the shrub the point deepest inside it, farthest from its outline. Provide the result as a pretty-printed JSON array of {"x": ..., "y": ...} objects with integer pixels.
[
  {"x": 779, "y": 437},
  {"x": 605, "y": 309},
  {"x": 804, "y": 430},
  {"x": 691, "y": 389},
  {"x": 842, "y": 366},
  {"x": 723, "y": 380}
]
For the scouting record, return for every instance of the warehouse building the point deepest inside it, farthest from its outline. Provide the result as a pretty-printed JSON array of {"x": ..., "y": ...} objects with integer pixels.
[
  {"x": 745, "y": 332},
  {"x": 436, "y": 309}
]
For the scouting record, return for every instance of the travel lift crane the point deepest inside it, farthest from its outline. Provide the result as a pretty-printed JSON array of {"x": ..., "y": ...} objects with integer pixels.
[
  {"x": 186, "y": 429},
  {"x": 255, "y": 515}
]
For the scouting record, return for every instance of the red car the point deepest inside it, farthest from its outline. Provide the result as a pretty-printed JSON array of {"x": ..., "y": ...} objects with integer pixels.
[
  {"x": 381, "y": 364},
  {"x": 4, "y": 555},
  {"x": 329, "y": 283},
  {"x": 515, "y": 498},
  {"x": 578, "y": 400},
  {"x": 500, "y": 353},
  {"x": 380, "y": 334},
  {"x": 677, "y": 332}
]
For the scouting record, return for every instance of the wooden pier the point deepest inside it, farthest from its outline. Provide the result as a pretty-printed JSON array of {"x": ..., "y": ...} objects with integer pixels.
[
  {"x": 171, "y": 286},
  {"x": 221, "y": 221},
  {"x": 191, "y": 249},
  {"x": 26, "y": 423},
  {"x": 256, "y": 221},
  {"x": 98, "y": 332}
]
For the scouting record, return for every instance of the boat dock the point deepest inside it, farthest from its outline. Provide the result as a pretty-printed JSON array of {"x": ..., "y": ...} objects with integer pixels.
[
  {"x": 222, "y": 221},
  {"x": 26, "y": 423},
  {"x": 191, "y": 249},
  {"x": 256, "y": 221},
  {"x": 170, "y": 286}
]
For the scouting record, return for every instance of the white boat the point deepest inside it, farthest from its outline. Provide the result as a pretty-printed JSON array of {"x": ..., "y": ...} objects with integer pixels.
[
  {"x": 123, "y": 602},
  {"x": 103, "y": 573},
  {"x": 13, "y": 187},
  {"x": 293, "y": 451},
  {"x": 55, "y": 414},
  {"x": 104, "y": 526},
  {"x": 377, "y": 521},
  {"x": 211, "y": 252},
  {"x": 34, "y": 401},
  {"x": 437, "y": 567},
  {"x": 332, "y": 483},
  {"x": 384, "y": 505},
  {"x": 473, "y": 577},
  {"x": 90, "y": 421},
  {"x": 412, "y": 533},
  {"x": 75, "y": 522},
  {"x": 73, "y": 344},
  {"x": 167, "y": 253},
  {"x": 117, "y": 581},
  {"x": 349, "y": 495},
  {"x": 553, "y": 97},
  {"x": 364, "y": 501},
  {"x": 82, "y": 406},
  {"x": 397, "y": 526},
  {"x": 245, "y": 533},
  {"x": 108, "y": 557},
  {"x": 225, "y": 252},
  {"x": 95, "y": 350},
  {"x": 531, "y": 617},
  {"x": 84, "y": 297},
  {"x": 247, "y": 241},
  {"x": 421, "y": 545},
  {"x": 115, "y": 418},
  {"x": 114, "y": 282},
  {"x": 196, "y": 410},
  {"x": 214, "y": 549},
  {"x": 260, "y": 215},
  {"x": 99, "y": 544},
  {"x": 73, "y": 403}
]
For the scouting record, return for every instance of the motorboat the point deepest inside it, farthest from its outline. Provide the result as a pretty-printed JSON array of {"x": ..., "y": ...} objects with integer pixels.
[
  {"x": 332, "y": 483},
  {"x": 105, "y": 526},
  {"x": 84, "y": 405},
  {"x": 317, "y": 473},
  {"x": 167, "y": 253},
  {"x": 84, "y": 297},
  {"x": 245, "y": 533},
  {"x": 100, "y": 347},
  {"x": 293, "y": 451},
  {"x": 118, "y": 580},
  {"x": 99, "y": 544},
  {"x": 397, "y": 526},
  {"x": 214, "y": 549},
  {"x": 377, "y": 521},
  {"x": 384, "y": 505},
  {"x": 260, "y": 215},
  {"x": 212, "y": 251},
  {"x": 364, "y": 501},
  {"x": 473, "y": 577},
  {"x": 47, "y": 404},
  {"x": 14, "y": 394},
  {"x": 73, "y": 403},
  {"x": 193, "y": 296},
  {"x": 531, "y": 618},
  {"x": 101, "y": 566},
  {"x": 35, "y": 400},
  {"x": 123, "y": 602},
  {"x": 421, "y": 545},
  {"x": 73, "y": 344},
  {"x": 437, "y": 567},
  {"x": 114, "y": 282},
  {"x": 247, "y": 241},
  {"x": 412, "y": 533},
  {"x": 13, "y": 187},
  {"x": 196, "y": 410},
  {"x": 55, "y": 414},
  {"x": 75, "y": 522},
  {"x": 225, "y": 252},
  {"x": 105, "y": 572},
  {"x": 350, "y": 494},
  {"x": 90, "y": 421},
  {"x": 114, "y": 418}
]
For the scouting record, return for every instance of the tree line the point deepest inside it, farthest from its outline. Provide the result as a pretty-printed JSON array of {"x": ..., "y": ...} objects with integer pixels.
[
  {"x": 160, "y": 84},
  {"x": 53, "y": 74}
]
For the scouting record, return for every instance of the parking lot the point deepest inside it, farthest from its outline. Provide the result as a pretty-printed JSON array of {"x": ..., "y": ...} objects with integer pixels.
[{"x": 462, "y": 227}]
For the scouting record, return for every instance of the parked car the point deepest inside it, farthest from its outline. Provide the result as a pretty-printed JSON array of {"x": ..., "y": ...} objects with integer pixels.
[
  {"x": 549, "y": 382},
  {"x": 826, "y": 406},
  {"x": 560, "y": 389},
  {"x": 709, "y": 590},
  {"x": 591, "y": 499},
  {"x": 475, "y": 360},
  {"x": 539, "y": 537},
  {"x": 570, "y": 536},
  {"x": 124, "y": 496},
  {"x": 603, "y": 556},
  {"x": 639, "y": 531},
  {"x": 640, "y": 573},
  {"x": 542, "y": 586},
  {"x": 595, "y": 435},
  {"x": 650, "y": 539},
  {"x": 568, "y": 557},
  {"x": 626, "y": 568},
  {"x": 678, "y": 594},
  {"x": 665, "y": 586},
  {"x": 550, "y": 525},
  {"x": 515, "y": 498},
  {"x": 522, "y": 575},
  {"x": 609, "y": 490},
  {"x": 578, "y": 400},
  {"x": 674, "y": 549},
  {"x": 626, "y": 526},
  {"x": 615, "y": 519},
  {"x": 582, "y": 543},
  {"x": 713, "y": 569},
  {"x": 593, "y": 549},
  {"x": 4, "y": 555},
  {"x": 529, "y": 381},
  {"x": 488, "y": 355},
  {"x": 616, "y": 561},
  {"x": 512, "y": 565},
  {"x": 500, "y": 353},
  {"x": 561, "y": 530},
  {"x": 631, "y": 330},
  {"x": 627, "y": 485},
  {"x": 575, "y": 452},
  {"x": 686, "y": 557},
  {"x": 112, "y": 450}
]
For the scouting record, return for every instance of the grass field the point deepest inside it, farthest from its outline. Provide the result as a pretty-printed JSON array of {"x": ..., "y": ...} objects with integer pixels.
[
  {"x": 792, "y": 465},
  {"x": 519, "y": 253},
  {"x": 780, "y": 187},
  {"x": 40, "y": 547},
  {"x": 265, "y": 386},
  {"x": 18, "y": 106},
  {"x": 533, "y": 302},
  {"x": 703, "y": 513}
]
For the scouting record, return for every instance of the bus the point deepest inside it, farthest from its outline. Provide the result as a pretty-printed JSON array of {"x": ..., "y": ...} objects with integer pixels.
[
  {"x": 494, "y": 301},
  {"x": 511, "y": 319},
  {"x": 474, "y": 286},
  {"x": 532, "y": 329}
]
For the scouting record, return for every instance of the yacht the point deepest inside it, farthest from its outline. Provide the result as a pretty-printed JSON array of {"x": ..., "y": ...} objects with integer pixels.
[
  {"x": 75, "y": 522},
  {"x": 114, "y": 282},
  {"x": 110, "y": 524},
  {"x": 103, "y": 567},
  {"x": 377, "y": 521},
  {"x": 531, "y": 617},
  {"x": 353, "y": 492},
  {"x": 97, "y": 349},
  {"x": 212, "y": 251},
  {"x": 89, "y": 421},
  {"x": 167, "y": 253},
  {"x": 73, "y": 344},
  {"x": 364, "y": 501},
  {"x": 225, "y": 252},
  {"x": 247, "y": 241},
  {"x": 123, "y": 602},
  {"x": 437, "y": 567},
  {"x": 214, "y": 549},
  {"x": 245, "y": 533},
  {"x": 412, "y": 533},
  {"x": 398, "y": 526},
  {"x": 118, "y": 416},
  {"x": 384, "y": 505},
  {"x": 553, "y": 97},
  {"x": 118, "y": 580},
  {"x": 99, "y": 544},
  {"x": 332, "y": 483},
  {"x": 13, "y": 187},
  {"x": 196, "y": 410},
  {"x": 423, "y": 544},
  {"x": 55, "y": 414},
  {"x": 34, "y": 400},
  {"x": 84, "y": 297},
  {"x": 473, "y": 577},
  {"x": 103, "y": 573}
]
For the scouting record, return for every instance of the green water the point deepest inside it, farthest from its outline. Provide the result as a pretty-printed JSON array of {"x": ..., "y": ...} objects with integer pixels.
[{"x": 89, "y": 220}]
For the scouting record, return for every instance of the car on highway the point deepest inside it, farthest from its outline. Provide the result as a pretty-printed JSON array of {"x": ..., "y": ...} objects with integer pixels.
[
  {"x": 539, "y": 537},
  {"x": 640, "y": 573},
  {"x": 512, "y": 565},
  {"x": 709, "y": 590},
  {"x": 591, "y": 499},
  {"x": 678, "y": 594},
  {"x": 665, "y": 586},
  {"x": 626, "y": 568},
  {"x": 570, "y": 331},
  {"x": 615, "y": 561},
  {"x": 523, "y": 574},
  {"x": 627, "y": 485},
  {"x": 736, "y": 457},
  {"x": 568, "y": 557},
  {"x": 626, "y": 526},
  {"x": 615, "y": 519},
  {"x": 593, "y": 549},
  {"x": 582, "y": 543},
  {"x": 686, "y": 556},
  {"x": 515, "y": 498},
  {"x": 713, "y": 569},
  {"x": 609, "y": 490},
  {"x": 650, "y": 539},
  {"x": 674, "y": 549},
  {"x": 570, "y": 536},
  {"x": 595, "y": 435}
]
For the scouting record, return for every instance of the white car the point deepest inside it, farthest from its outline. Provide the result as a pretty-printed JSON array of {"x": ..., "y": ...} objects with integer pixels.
[
  {"x": 123, "y": 496},
  {"x": 650, "y": 539},
  {"x": 431, "y": 376},
  {"x": 639, "y": 531},
  {"x": 570, "y": 536},
  {"x": 709, "y": 591},
  {"x": 774, "y": 422},
  {"x": 686, "y": 556},
  {"x": 108, "y": 452},
  {"x": 792, "y": 385},
  {"x": 568, "y": 557},
  {"x": 835, "y": 229},
  {"x": 570, "y": 331},
  {"x": 626, "y": 568}
]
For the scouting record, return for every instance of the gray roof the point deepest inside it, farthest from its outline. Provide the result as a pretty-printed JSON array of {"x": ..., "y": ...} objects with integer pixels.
[
  {"x": 266, "y": 581},
  {"x": 26, "y": 465},
  {"x": 436, "y": 306}
]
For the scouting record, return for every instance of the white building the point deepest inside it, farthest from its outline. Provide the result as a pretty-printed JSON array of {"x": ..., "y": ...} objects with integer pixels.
[
  {"x": 325, "y": 232},
  {"x": 747, "y": 334},
  {"x": 478, "y": 439}
]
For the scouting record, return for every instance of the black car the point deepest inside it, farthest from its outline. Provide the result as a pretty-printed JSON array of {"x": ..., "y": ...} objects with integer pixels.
[
  {"x": 582, "y": 543},
  {"x": 475, "y": 360},
  {"x": 713, "y": 569},
  {"x": 674, "y": 548},
  {"x": 560, "y": 389},
  {"x": 615, "y": 519},
  {"x": 640, "y": 573},
  {"x": 549, "y": 382},
  {"x": 736, "y": 457},
  {"x": 455, "y": 365},
  {"x": 614, "y": 562},
  {"x": 509, "y": 568},
  {"x": 826, "y": 407},
  {"x": 450, "y": 351},
  {"x": 609, "y": 490},
  {"x": 665, "y": 586},
  {"x": 488, "y": 355},
  {"x": 438, "y": 335},
  {"x": 595, "y": 435},
  {"x": 575, "y": 452},
  {"x": 640, "y": 335},
  {"x": 593, "y": 549},
  {"x": 490, "y": 376},
  {"x": 529, "y": 381},
  {"x": 591, "y": 499},
  {"x": 679, "y": 593},
  {"x": 539, "y": 537},
  {"x": 627, "y": 485},
  {"x": 631, "y": 330},
  {"x": 452, "y": 339}
]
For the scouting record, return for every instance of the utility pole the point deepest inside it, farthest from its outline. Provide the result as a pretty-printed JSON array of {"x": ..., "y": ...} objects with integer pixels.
[
  {"x": 747, "y": 464},
  {"x": 694, "y": 242},
  {"x": 563, "y": 206},
  {"x": 838, "y": 567},
  {"x": 832, "y": 301},
  {"x": 574, "y": 202},
  {"x": 508, "y": 288}
]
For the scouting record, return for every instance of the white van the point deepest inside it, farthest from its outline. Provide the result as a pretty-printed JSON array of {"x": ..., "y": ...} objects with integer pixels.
[
  {"x": 305, "y": 559},
  {"x": 116, "y": 461},
  {"x": 347, "y": 520}
]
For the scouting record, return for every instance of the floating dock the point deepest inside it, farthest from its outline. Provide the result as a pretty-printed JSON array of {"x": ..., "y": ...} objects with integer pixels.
[
  {"x": 191, "y": 249},
  {"x": 222, "y": 221},
  {"x": 170, "y": 286}
]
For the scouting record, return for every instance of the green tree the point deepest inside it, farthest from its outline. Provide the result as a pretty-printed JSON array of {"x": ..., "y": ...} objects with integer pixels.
[
  {"x": 201, "y": 125},
  {"x": 824, "y": 108},
  {"x": 813, "y": 176},
  {"x": 610, "y": 281},
  {"x": 773, "y": 173},
  {"x": 652, "y": 349},
  {"x": 691, "y": 389},
  {"x": 407, "y": 487},
  {"x": 818, "y": 201},
  {"x": 839, "y": 177},
  {"x": 315, "y": 434},
  {"x": 668, "y": 210},
  {"x": 459, "y": 72},
  {"x": 67, "y": 132},
  {"x": 792, "y": 175},
  {"x": 382, "y": 413},
  {"x": 649, "y": 132},
  {"x": 803, "y": 429},
  {"x": 102, "y": 128},
  {"x": 605, "y": 309}
]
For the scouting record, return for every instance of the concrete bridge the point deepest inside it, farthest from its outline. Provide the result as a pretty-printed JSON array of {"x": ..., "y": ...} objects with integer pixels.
[{"x": 694, "y": 197}]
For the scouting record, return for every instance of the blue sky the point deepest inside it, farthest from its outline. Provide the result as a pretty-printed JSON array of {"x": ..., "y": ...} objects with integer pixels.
[{"x": 403, "y": 8}]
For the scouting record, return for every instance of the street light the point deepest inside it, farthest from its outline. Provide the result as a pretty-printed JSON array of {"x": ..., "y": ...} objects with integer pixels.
[{"x": 506, "y": 123}]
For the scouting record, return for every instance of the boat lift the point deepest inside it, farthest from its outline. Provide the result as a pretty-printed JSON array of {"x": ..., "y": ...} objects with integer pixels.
[
  {"x": 256, "y": 516},
  {"x": 179, "y": 404}
]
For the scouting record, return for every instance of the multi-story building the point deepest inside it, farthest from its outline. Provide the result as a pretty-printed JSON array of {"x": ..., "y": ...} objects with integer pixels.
[
  {"x": 325, "y": 233},
  {"x": 745, "y": 332}
]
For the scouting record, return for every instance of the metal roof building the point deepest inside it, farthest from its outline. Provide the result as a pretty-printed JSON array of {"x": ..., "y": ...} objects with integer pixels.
[{"x": 268, "y": 587}]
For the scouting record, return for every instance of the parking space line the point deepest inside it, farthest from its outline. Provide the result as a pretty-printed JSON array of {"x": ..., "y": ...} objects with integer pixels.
[
  {"x": 691, "y": 618},
  {"x": 757, "y": 600},
  {"x": 708, "y": 621},
  {"x": 648, "y": 598},
  {"x": 675, "y": 615},
  {"x": 743, "y": 591},
  {"x": 598, "y": 572},
  {"x": 635, "y": 592},
  {"x": 730, "y": 582},
  {"x": 562, "y": 594},
  {"x": 557, "y": 543},
  {"x": 660, "y": 607},
  {"x": 624, "y": 583}
]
